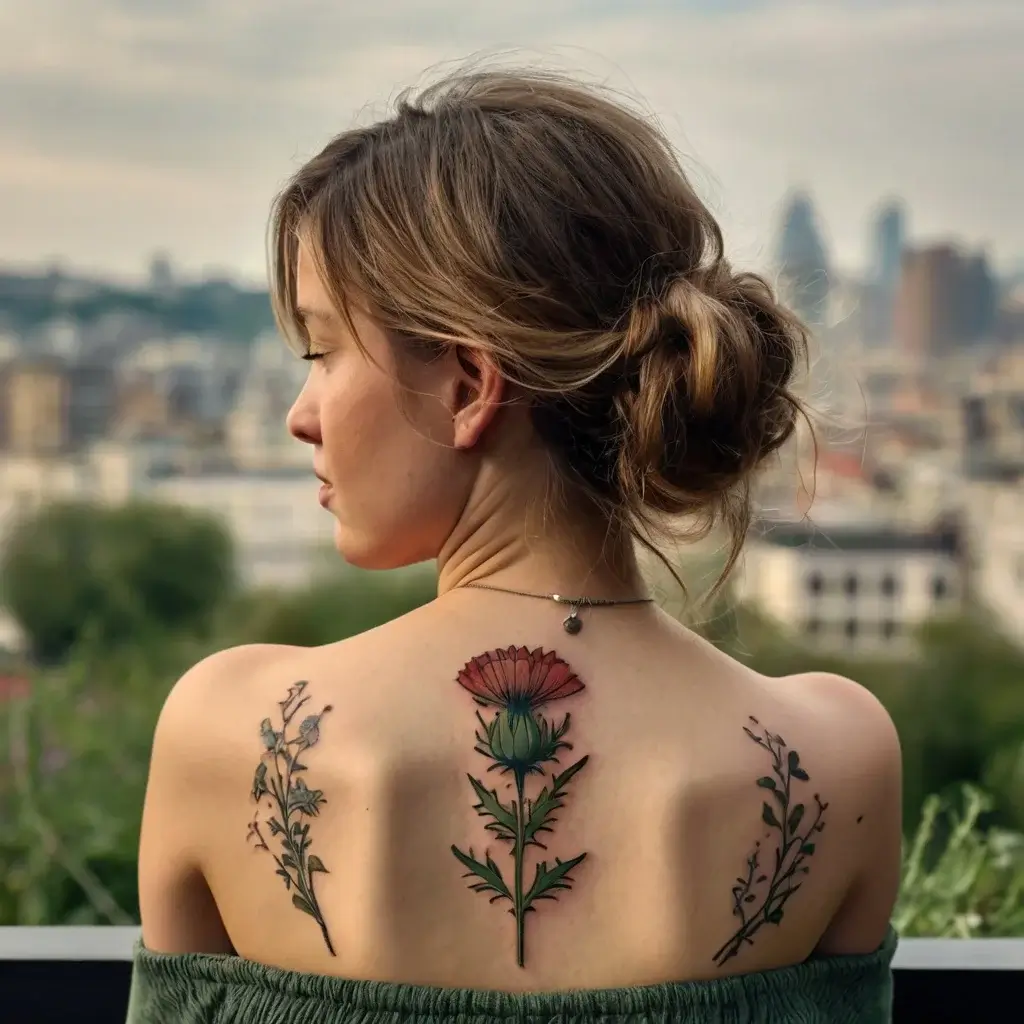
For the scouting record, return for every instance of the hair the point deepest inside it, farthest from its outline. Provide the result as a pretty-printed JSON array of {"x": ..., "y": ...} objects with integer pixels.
[{"x": 541, "y": 221}]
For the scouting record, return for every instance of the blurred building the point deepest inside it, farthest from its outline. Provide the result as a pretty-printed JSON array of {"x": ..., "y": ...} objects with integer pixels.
[
  {"x": 992, "y": 416},
  {"x": 879, "y": 304},
  {"x": 946, "y": 301},
  {"x": 856, "y": 589},
  {"x": 162, "y": 282},
  {"x": 888, "y": 239},
  {"x": 142, "y": 411},
  {"x": 280, "y": 530},
  {"x": 994, "y": 518},
  {"x": 802, "y": 262},
  {"x": 1010, "y": 316},
  {"x": 35, "y": 406},
  {"x": 51, "y": 404},
  {"x": 255, "y": 431},
  {"x": 91, "y": 397}
]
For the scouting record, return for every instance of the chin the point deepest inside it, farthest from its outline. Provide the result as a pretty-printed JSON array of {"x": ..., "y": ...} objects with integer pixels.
[{"x": 374, "y": 552}]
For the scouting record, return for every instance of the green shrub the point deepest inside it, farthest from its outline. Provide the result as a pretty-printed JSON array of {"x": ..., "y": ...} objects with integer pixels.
[
  {"x": 76, "y": 571},
  {"x": 960, "y": 880}
]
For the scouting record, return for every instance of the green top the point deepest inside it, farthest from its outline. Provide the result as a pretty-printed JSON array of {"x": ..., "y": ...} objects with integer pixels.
[{"x": 203, "y": 988}]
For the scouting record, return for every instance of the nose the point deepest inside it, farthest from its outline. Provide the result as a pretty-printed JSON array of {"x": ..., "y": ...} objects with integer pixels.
[{"x": 303, "y": 419}]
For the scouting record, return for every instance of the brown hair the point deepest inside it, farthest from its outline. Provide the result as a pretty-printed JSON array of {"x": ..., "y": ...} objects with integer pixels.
[{"x": 536, "y": 218}]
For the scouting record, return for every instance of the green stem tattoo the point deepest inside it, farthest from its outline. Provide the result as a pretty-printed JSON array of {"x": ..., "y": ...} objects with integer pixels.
[
  {"x": 277, "y": 777},
  {"x": 517, "y": 740},
  {"x": 520, "y": 850},
  {"x": 754, "y": 903}
]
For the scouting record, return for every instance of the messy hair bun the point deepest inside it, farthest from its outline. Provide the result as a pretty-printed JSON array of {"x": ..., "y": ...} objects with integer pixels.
[
  {"x": 543, "y": 221},
  {"x": 699, "y": 398}
]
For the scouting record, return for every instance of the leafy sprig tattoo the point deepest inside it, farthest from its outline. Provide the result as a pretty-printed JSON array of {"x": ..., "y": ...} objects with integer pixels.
[
  {"x": 518, "y": 741},
  {"x": 278, "y": 779},
  {"x": 759, "y": 898}
]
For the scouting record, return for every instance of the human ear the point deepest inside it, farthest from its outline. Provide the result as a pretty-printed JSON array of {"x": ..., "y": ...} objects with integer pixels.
[{"x": 479, "y": 391}]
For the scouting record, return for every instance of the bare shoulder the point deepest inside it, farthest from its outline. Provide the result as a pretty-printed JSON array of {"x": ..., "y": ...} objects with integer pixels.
[
  {"x": 213, "y": 683},
  {"x": 850, "y": 715},
  {"x": 855, "y": 743},
  {"x": 844, "y": 730}
]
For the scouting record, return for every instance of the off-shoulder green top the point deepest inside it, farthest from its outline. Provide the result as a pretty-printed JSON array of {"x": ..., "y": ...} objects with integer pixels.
[{"x": 201, "y": 988}]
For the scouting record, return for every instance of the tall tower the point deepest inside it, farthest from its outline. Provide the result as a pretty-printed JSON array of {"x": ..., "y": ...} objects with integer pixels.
[
  {"x": 801, "y": 261},
  {"x": 888, "y": 239}
]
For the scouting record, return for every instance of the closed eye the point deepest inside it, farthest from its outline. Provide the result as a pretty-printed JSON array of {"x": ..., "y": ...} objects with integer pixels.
[{"x": 311, "y": 356}]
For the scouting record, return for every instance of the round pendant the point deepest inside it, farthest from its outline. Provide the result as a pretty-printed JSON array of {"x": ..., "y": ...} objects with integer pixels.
[{"x": 572, "y": 624}]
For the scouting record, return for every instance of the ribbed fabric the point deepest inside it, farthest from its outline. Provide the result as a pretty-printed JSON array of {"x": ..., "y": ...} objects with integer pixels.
[{"x": 201, "y": 988}]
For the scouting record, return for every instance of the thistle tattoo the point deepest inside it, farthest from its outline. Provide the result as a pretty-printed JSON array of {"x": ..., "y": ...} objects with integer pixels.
[
  {"x": 759, "y": 898},
  {"x": 518, "y": 741},
  {"x": 290, "y": 802}
]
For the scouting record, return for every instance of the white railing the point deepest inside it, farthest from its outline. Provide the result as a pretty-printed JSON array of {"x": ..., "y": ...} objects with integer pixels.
[{"x": 106, "y": 943}]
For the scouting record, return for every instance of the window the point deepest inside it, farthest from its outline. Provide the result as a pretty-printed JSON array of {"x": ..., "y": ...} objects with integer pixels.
[
  {"x": 888, "y": 584},
  {"x": 814, "y": 626},
  {"x": 889, "y": 629},
  {"x": 940, "y": 588},
  {"x": 815, "y": 583},
  {"x": 850, "y": 584},
  {"x": 851, "y": 629}
]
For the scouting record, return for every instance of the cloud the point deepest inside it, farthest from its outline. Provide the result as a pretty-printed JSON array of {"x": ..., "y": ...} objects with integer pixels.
[{"x": 133, "y": 124}]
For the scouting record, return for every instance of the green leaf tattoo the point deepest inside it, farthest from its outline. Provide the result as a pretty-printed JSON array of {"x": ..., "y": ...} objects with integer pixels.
[
  {"x": 517, "y": 682},
  {"x": 289, "y": 801},
  {"x": 759, "y": 898}
]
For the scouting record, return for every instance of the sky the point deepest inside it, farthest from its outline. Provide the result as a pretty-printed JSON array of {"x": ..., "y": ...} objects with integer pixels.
[{"x": 131, "y": 126}]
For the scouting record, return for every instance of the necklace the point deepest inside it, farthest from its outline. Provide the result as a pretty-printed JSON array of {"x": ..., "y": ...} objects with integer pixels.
[{"x": 572, "y": 622}]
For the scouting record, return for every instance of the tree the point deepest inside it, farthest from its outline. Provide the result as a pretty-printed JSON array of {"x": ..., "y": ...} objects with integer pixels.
[
  {"x": 332, "y": 609},
  {"x": 75, "y": 571},
  {"x": 74, "y": 752}
]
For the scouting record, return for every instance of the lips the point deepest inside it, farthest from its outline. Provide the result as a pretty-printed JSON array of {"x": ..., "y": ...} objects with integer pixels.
[{"x": 325, "y": 489}]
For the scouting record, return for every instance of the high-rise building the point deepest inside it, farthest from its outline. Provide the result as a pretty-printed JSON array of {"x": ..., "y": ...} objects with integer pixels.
[
  {"x": 802, "y": 262},
  {"x": 980, "y": 299},
  {"x": 161, "y": 275},
  {"x": 887, "y": 241},
  {"x": 883, "y": 277},
  {"x": 946, "y": 300}
]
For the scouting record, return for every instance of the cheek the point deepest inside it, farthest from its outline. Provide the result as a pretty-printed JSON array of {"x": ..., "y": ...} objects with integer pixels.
[{"x": 399, "y": 485}]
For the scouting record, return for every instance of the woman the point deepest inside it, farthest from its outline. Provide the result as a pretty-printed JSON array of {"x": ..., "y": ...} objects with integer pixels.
[{"x": 538, "y": 795}]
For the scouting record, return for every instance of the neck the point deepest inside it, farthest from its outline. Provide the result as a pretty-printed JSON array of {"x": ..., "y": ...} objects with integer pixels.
[{"x": 539, "y": 546}]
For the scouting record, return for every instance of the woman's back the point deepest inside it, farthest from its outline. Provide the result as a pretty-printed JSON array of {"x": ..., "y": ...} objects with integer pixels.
[
  {"x": 528, "y": 354},
  {"x": 691, "y": 775}
]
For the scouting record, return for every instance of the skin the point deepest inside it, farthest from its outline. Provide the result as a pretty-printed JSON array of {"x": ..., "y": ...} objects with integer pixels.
[{"x": 668, "y": 808}]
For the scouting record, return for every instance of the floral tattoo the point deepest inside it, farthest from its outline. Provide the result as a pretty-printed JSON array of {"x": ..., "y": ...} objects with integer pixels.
[
  {"x": 518, "y": 741},
  {"x": 758, "y": 897},
  {"x": 289, "y": 802}
]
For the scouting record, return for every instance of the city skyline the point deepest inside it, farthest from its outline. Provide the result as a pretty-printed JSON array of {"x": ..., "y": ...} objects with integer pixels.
[{"x": 132, "y": 127}]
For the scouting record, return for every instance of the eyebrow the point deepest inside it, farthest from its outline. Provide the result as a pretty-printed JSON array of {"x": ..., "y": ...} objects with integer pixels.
[{"x": 325, "y": 316}]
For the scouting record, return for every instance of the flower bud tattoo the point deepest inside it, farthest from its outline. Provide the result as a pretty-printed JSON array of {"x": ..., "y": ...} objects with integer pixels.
[{"x": 515, "y": 684}]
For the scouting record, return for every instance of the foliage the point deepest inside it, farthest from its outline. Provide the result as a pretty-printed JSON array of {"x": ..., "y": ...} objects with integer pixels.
[
  {"x": 337, "y": 606},
  {"x": 958, "y": 706},
  {"x": 109, "y": 575},
  {"x": 119, "y": 603},
  {"x": 75, "y": 754},
  {"x": 960, "y": 881},
  {"x": 216, "y": 308},
  {"x": 71, "y": 797}
]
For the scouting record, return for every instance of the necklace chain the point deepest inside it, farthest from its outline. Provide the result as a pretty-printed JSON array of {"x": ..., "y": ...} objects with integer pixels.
[{"x": 572, "y": 622}]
